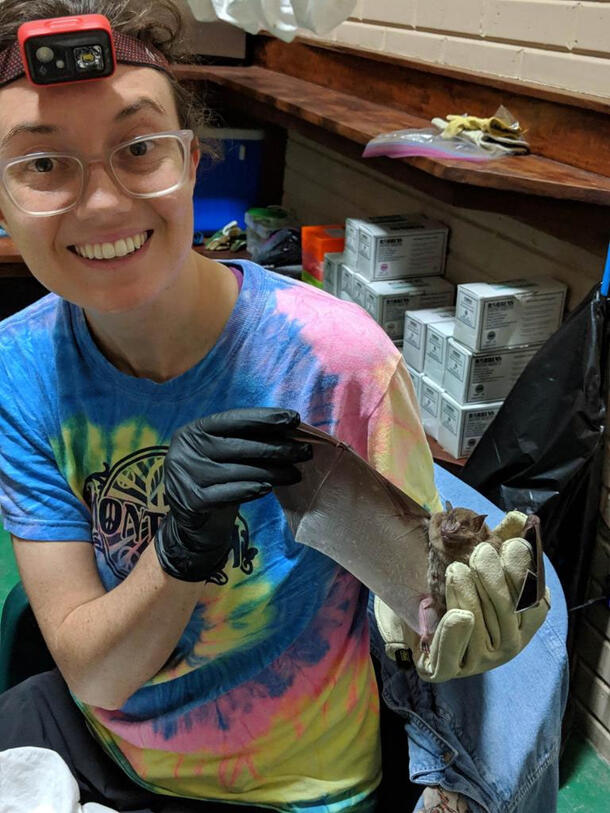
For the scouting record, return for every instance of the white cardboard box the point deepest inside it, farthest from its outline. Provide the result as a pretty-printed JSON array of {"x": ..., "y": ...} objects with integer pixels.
[
  {"x": 331, "y": 282},
  {"x": 509, "y": 313},
  {"x": 437, "y": 336},
  {"x": 352, "y": 233},
  {"x": 416, "y": 325},
  {"x": 409, "y": 248},
  {"x": 473, "y": 378},
  {"x": 387, "y": 301},
  {"x": 430, "y": 405},
  {"x": 416, "y": 377},
  {"x": 460, "y": 427}
]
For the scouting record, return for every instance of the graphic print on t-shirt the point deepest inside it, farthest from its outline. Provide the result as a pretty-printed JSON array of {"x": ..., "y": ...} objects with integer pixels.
[{"x": 127, "y": 504}]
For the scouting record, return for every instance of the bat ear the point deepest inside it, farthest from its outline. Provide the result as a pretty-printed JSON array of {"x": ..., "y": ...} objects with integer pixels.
[
  {"x": 448, "y": 506},
  {"x": 477, "y": 522}
]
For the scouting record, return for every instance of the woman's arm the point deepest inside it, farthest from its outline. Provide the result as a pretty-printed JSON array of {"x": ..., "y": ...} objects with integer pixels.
[{"x": 106, "y": 644}]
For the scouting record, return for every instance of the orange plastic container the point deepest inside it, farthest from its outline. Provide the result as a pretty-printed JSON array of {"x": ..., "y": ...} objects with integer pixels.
[{"x": 316, "y": 241}]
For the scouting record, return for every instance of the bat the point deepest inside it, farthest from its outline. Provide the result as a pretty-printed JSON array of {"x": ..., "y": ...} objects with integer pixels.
[{"x": 452, "y": 536}]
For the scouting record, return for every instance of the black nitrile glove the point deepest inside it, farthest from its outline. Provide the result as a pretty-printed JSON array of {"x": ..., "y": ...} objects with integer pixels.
[{"x": 213, "y": 464}]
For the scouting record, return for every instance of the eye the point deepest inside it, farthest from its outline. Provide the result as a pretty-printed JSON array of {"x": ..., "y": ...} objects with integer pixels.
[
  {"x": 140, "y": 148},
  {"x": 42, "y": 164}
]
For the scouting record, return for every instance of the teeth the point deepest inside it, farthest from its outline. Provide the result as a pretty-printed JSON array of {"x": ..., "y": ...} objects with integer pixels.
[{"x": 108, "y": 251}]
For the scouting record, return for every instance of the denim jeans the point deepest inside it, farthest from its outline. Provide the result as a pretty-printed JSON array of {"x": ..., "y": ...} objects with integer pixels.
[{"x": 494, "y": 737}]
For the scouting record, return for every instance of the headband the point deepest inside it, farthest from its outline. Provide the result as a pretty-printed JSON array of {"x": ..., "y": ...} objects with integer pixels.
[{"x": 129, "y": 51}]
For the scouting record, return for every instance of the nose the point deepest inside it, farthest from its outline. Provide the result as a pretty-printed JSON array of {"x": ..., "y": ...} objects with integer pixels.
[{"x": 101, "y": 193}]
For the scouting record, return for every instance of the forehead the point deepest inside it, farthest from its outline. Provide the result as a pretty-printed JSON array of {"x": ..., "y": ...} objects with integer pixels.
[{"x": 84, "y": 104}]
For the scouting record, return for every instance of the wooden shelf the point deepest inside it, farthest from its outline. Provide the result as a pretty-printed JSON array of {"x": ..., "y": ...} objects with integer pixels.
[{"x": 359, "y": 120}]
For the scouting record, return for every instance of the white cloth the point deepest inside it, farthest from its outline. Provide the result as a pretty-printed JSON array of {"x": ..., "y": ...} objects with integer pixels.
[
  {"x": 37, "y": 780},
  {"x": 283, "y": 18}
]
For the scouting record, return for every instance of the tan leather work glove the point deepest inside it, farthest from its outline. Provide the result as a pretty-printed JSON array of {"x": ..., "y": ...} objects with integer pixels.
[{"x": 480, "y": 629}]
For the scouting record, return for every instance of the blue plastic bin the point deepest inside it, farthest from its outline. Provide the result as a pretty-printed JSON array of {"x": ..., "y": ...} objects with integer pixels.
[{"x": 226, "y": 188}]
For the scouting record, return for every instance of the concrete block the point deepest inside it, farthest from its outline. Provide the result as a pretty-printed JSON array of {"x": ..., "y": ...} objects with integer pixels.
[
  {"x": 545, "y": 22},
  {"x": 463, "y": 17},
  {"x": 581, "y": 74},
  {"x": 361, "y": 35},
  {"x": 485, "y": 57},
  {"x": 395, "y": 12},
  {"x": 592, "y": 29},
  {"x": 414, "y": 44}
]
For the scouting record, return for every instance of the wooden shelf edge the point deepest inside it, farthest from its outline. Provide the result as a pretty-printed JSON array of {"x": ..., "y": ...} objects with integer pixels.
[
  {"x": 360, "y": 120},
  {"x": 439, "y": 454}
]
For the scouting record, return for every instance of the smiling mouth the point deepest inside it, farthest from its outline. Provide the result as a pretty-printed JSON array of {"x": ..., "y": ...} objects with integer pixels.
[{"x": 110, "y": 251}]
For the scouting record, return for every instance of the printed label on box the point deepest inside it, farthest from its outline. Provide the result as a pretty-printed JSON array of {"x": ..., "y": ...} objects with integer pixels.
[
  {"x": 429, "y": 400},
  {"x": 413, "y": 332},
  {"x": 456, "y": 363},
  {"x": 434, "y": 348},
  {"x": 466, "y": 310},
  {"x": 477, "y": 422},
  {"x": 364, "y": 245},
  {"x": 449, "y": 418}
]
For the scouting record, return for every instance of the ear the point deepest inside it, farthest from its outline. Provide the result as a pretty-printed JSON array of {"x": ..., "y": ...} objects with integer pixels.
[
  {"x": 476, "y": 523},
  {"x": 448, "y": 506}
]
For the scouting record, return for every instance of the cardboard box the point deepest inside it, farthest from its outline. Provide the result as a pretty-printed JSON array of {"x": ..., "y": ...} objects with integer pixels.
[
  {"x": 316, "y": 241},
  {"x": 333, "y": 261},
  {"x": 352, "y": 233},
  {"x": 460, "y": 427},
  {"x": 416, "y": 325},
  {"x": 388, "y": 301},
  {"x": 509, "y": 313},
  {"x": 488, "y": 376},
  {"x": 437, "y": 336},
  {"x": 416, "y": 378},
  {"x": 430, "y": 405},
  {"x": 413, "y": 248}
]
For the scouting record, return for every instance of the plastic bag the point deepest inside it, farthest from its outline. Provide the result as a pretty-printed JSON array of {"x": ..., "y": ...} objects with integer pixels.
[
  {"x": 543, "y": 452},
  {"x": 427, "y": 142},
  {"x": 283, "y": 18}
]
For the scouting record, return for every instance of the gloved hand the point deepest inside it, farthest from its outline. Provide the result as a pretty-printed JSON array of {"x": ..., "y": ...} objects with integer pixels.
[
  {"x": 480, "y": 629},
  {"x": 213, "y": 464}
]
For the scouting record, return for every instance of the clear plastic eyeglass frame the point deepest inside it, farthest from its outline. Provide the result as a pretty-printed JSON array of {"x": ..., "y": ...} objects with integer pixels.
[{"x": 185, "y": 137}]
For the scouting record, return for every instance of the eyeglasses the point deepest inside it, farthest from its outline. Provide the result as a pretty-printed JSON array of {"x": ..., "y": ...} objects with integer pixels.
[{"x": 51, "y": 183}]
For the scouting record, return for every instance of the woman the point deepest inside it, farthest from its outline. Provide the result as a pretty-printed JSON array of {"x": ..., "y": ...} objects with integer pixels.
[{"x": 224, "y": 662}]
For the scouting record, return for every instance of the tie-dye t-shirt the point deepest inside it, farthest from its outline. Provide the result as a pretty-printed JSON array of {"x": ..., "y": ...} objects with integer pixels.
[{"x": 269, "y": 697}]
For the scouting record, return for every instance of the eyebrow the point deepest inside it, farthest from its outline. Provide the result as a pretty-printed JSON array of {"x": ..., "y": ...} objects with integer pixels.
[{"x": 50, "y": 129}]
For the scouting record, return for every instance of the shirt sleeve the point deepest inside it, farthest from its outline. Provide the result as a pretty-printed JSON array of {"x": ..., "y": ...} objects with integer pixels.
[
  {"x": 397, "y": 445},
  {"x": 36, "y": 501}
]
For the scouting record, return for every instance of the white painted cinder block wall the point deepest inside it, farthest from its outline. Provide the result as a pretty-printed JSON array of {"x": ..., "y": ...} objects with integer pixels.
[{"x": 557, "y": 43}]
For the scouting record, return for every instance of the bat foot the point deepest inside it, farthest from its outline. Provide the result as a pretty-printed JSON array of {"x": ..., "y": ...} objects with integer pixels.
[{"x": 424, "y": 643}]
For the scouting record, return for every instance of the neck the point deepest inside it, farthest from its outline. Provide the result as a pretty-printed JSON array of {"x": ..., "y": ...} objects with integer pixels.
[{"x": 164, "y": 338}]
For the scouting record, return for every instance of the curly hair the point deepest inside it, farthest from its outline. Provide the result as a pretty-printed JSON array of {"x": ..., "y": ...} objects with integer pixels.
[{"x": 155, "y": 22}]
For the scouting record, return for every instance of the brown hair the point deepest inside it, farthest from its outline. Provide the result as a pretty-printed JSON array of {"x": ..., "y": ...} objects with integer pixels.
[{"x": 155, "y": 22}]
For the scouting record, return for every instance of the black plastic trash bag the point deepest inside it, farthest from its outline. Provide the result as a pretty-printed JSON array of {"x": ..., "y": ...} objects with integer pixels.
[{"x": 543, "y": 452}]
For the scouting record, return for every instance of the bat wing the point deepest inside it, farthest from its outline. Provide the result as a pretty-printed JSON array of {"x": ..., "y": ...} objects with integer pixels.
[{"x": 347, "y": 510}]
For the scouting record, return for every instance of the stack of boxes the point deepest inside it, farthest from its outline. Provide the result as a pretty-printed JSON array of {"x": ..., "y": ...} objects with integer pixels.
[
  {"x": 472, "y": 362},
  {"x": 464, "y": 360},
  {"x": 389, "y": 264}
]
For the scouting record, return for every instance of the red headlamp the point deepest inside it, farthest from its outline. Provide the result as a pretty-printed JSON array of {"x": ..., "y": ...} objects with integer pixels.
[{"x": 67, "y": 49}]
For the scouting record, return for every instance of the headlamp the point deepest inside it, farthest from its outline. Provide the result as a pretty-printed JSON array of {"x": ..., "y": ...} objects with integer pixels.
[{"x": 67, "y": 49}]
